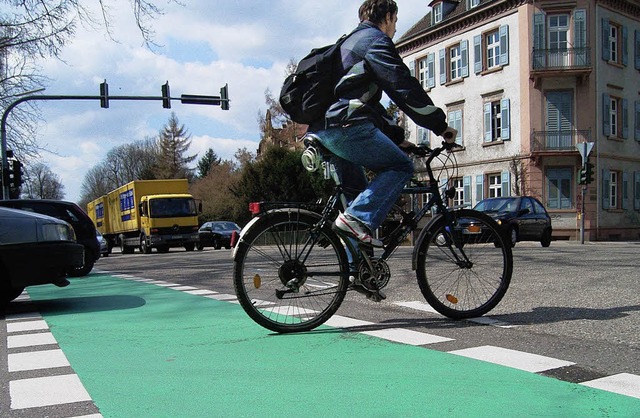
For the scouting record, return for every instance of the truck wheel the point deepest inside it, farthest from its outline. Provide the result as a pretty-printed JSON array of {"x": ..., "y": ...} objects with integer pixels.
[{"x": 144, "y": 247}]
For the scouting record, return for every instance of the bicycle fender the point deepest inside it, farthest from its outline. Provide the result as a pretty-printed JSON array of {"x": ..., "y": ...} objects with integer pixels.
[
  {"x": 266, "y": 217},
  {"x": 422, "y": 237}
]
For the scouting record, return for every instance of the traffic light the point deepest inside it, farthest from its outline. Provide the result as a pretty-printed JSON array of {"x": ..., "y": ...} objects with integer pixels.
[
  {"x": 582, "y": 179},
  {"x": 15, "y": 174},
  {"x": 224, "y": 97},
  {"x": 166, "y": 96},
  {"x": 104, "y": 94},
  {"x": 589, "y": 173}
]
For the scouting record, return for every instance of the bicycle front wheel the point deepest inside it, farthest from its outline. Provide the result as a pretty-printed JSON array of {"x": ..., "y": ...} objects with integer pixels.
[
  {"x": 289, "y": 276},
  {"x": 464, "y": 264}
]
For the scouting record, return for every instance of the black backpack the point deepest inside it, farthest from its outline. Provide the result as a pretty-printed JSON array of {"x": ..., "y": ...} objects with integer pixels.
[{"x": 309, "y": 91}]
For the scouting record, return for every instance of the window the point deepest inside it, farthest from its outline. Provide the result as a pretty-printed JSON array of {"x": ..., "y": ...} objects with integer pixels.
[
  {"x": 495, "y": 185},
  {"x": 615, "y": 117},
  {"x": 426, "y": 71},
  {"x": 491, "y": 49},
  {"x": 558, "y": 38},
  {"x": 437, "y": 13},
  {"x": 496, "y": 120},
  {"x": 559, "y": 188},
  {"x": 613, "y": 189},
  {"x": 458, "y": 198},
  {"x": 424, "y": 136},
  {"x": 472, "y": 3},
  {"x": 454, "y": 62},
  {"x": 614, "y": 42},
  {"x": 454, "y": 119}
]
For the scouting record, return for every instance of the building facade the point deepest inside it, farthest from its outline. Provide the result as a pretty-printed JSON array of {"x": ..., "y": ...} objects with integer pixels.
[{"x": 531, "y": 85}]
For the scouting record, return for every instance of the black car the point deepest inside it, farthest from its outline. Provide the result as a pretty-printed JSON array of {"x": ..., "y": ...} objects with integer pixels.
[
  {"x": 522, "y": 217},
  {"x": 34, "y": 249},
  {"x": 70, "y": 212},
  {"x": 216, "y": 234}
]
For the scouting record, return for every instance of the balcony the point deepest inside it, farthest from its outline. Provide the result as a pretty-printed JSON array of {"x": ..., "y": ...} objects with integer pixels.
[
  {"x": 558, "y": 142},
  {"x": 564, "y": 62}
]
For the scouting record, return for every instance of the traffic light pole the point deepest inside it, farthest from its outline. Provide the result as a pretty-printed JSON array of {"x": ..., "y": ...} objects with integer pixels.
[
  {"x": 584, "y": 190},
  {"x": 222, "y": 101}
]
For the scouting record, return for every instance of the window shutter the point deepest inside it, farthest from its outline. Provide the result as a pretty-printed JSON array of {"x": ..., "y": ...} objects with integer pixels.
[
  {"x": 480, "y": 188},
  {"x": 443, "y": 67},
  {"x": 506, "y": 181},
  {"x": 504, "y": 45},
  {"x": 539, "y": 40},
  {"x": 637, "y": 126},
  {"x": 505, "y": 133},
  {"x": 412, "y": 68},
  {"x": 431, "y": 68},
  {"x": 464, "y": 52},
  {"x": 605, "y": 189},
  {"x": 637, "y": 49},
  {"x": 606, "y": 110},
  {"x": 625, "y": 118},
  {"x": 477, "y": 54},
  {"x": 636, "y": 190},
  {"x": 625, "y": 46},
  {"x": 625, "y": 190},
  {"x": 580, "y": 36},
  {"x": 606, "y": 31},
  {"x": 466, "y": 183},
  {"x": 487, "y": 122}
]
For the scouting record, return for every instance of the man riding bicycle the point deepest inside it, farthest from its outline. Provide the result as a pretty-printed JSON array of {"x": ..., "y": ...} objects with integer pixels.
[{"x": 357, "y": 128}]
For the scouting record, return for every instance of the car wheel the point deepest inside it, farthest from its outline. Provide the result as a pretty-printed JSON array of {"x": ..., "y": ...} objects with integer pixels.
[
  {"x": 545, "y": 241},
  {"x": 199, "y": 246},
  {"x": 144, "y": 247},
  {"x": 86, "y": 267},
  {"x": 190, "y": 246},
  {"x": 163, "y": 248},
  {"x": 513, "y": 236},
  {"x": 216, "y": 244}
]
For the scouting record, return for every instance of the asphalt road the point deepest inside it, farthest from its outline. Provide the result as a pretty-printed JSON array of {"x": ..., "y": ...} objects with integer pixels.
[
  {"x": 579, "y": 303},
  {"x": 576, "y": 304}
]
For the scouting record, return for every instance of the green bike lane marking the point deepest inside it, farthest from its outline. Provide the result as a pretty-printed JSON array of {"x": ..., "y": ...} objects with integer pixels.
[{"x": 143, "y": 350}]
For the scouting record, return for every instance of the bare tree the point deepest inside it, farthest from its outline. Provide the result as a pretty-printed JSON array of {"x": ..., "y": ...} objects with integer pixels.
[
  {"x": 42, "y": 183},
  {"x": 32, "y": 29},
  {"x": 518, "y": 171}
]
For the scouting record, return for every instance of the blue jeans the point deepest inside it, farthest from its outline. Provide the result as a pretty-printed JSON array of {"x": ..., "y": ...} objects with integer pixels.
[{"x": 363, "y": 145}]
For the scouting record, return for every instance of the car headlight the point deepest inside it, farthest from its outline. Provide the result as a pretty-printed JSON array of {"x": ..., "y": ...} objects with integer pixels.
[{"x": 58, "y": 232}]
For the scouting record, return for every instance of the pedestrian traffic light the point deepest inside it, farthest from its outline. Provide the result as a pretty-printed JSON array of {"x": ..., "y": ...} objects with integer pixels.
[
  {"x": 104, "y": 94},
  {"x": 589, "y": 173},
  {"x": 166, "y": 96},
  {"x": 582, "y": 177},
  {"x": 224, "y": 97}
]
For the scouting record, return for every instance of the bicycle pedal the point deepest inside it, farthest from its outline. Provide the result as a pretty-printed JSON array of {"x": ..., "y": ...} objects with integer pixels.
[{"x": 373, "y": 295}]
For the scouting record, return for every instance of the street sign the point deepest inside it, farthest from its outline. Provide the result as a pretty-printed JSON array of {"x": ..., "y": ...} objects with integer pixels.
[{"x": 584, "y": 149}]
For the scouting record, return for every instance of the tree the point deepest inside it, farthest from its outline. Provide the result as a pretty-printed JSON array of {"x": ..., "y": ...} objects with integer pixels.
[
  {"x": 173, "y": 143},
  {"x": 33, "y": 29},
  {"x": 518, "y": 171},
  {"x": 206, "y": 163},
  {"x": 42, "y": 183}
]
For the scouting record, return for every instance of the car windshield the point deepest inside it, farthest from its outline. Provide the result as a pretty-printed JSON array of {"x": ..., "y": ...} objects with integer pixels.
[
  {"x": 497, "y": 205},
  {"x": 224, "y": 226},
  {"x": 170, "y": 207}
]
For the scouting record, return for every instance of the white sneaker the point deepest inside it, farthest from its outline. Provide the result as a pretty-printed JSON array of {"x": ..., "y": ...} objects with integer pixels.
[{"x": 355, "y": 228}]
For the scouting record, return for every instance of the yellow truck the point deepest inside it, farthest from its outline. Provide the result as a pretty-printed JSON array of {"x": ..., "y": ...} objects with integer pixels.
[{"x": 147, "y": 214}]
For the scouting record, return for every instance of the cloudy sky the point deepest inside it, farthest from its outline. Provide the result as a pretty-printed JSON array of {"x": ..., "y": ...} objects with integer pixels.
[{"x": 203, "y": 44}]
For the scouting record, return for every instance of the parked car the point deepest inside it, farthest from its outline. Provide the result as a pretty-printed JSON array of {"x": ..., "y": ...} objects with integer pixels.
[
  {"x": 69, "y": 212},
  {"x": 522, "y": 217},
  {"x": 104, "y": 245},
  {"x": 216, "y": 234},
  {"x": 34, "y": 249}
]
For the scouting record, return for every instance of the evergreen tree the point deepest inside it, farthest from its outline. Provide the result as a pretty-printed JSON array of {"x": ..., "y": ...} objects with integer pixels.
[
  {"x": 173, "y": 143},
  {"x": 207, "y": 162}
]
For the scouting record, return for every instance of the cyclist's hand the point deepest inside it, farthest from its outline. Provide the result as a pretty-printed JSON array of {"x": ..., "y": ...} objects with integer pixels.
[
  {"x": 450, "y": 135},
  {"x": 411, "y": 148}
]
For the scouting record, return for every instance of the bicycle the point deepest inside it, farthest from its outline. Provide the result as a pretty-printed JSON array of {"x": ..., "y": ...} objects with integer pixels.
[{"x": 292, "y": 272}]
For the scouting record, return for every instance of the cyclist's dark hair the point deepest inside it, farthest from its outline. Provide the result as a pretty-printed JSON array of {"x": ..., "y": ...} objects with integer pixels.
[{"x": 375, "y": 11}]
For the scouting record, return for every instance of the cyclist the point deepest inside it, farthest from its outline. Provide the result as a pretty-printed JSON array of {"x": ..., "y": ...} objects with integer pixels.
[{"x": 357, "y": 128}]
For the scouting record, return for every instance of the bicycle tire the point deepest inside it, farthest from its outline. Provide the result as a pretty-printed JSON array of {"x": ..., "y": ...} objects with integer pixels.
[
  {"x": 283, "y": 246},
  {"x": 455, "y": 287}
]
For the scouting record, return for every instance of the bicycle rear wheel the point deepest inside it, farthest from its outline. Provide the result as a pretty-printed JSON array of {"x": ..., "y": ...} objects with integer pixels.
[
  {"x": 464, "y": 266},
  {"x": 288, "y": 277}
]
